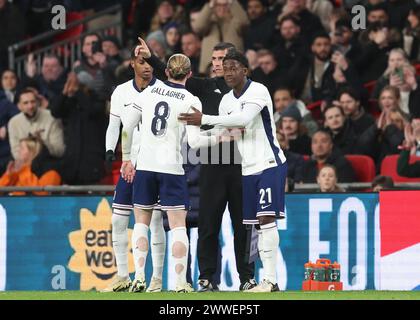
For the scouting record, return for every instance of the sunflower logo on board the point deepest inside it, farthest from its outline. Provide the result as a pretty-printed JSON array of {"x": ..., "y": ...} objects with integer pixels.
[{"x": 93, "y": 256}]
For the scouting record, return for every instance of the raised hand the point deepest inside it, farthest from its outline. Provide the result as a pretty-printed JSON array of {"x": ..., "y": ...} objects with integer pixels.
[
  {"x": 30, "y": 66},
  {"x": 142, "y": 49}
]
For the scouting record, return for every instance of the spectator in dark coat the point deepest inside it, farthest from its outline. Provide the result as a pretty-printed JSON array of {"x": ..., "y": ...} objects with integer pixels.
[
  {"x": 268, "y": 72},
  {"x": 9, "y": 85},
  {"x": 398, "y": 11},
  {"x": 12, "y": 29},
  {"x": 312, "y": 76},
  {"x": 259, "y": 32},
  {"x": 391, "y": 125},
  {"x": 291, "y": 126},
  {"x": 323, "y": 153},
  {"x": 50, "y": 80},
  {"x": 310, "y": 23},
  {"x": 344, "y": 137},
  {"x": 354, "y": 111},
  {"x": 294, "y": 160},
  {"x": 191, "y": 47},
  {"x": 83, "y": 115},
  {"x": 289, "y": 44},
  {"x": 345, "y": 41},
  {"x": 7, "y": 111}
]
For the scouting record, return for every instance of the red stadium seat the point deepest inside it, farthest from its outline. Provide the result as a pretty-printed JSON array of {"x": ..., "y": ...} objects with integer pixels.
[
  {"x": 363, "y": 167},
  {"x": 373, "y": 108},
  {"x": 73, "y": 32},
  {"x": 417, "y": 66},
  {"x": 389, "y": 168},
  {"x": 370, "y": 86},
  {"x": 112, "y": 177},
  {"x": 315, "y": 109}
]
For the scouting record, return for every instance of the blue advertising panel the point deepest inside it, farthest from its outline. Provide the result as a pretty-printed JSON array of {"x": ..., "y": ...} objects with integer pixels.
[{"x": 60, "y": 242}]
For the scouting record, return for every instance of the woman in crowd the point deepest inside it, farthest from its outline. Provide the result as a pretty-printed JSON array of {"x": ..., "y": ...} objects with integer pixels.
[
  {"x": 20, "y": 172},
  {"x": 327, "y": 179},
  {"x": 394, "y": 74}
]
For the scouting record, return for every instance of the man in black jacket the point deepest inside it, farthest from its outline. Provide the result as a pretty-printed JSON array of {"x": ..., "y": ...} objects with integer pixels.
[
  {"x": 323, "y": 153},
  {"x": 220, "y": 182},
  {"x": 312, "y": 76},
  {"x": 310, "y": 23},
  {"x": 259, "y": 32},
  {"x": 289, "y": 44},
  {"x": 268, "y": 73}
]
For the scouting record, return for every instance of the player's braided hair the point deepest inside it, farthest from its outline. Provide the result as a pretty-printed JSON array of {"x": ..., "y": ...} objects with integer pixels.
[{"x": 179, "y": 66}]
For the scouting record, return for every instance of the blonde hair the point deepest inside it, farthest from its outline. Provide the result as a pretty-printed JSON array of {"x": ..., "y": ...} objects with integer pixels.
[
  {"x": 34, "y": 145},
  {"x": 394, "y": 90},
  {"x": 406, "y": 63},
  {"x": 178, "y": 66},
  {"x": 395, "y": 115}
]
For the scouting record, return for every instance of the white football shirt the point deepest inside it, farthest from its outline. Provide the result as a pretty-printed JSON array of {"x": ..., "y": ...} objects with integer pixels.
[
  {"x": 158, "y": 108},
  {"x": 253, "y": 111},
  {"x": 123, "y": 96}
]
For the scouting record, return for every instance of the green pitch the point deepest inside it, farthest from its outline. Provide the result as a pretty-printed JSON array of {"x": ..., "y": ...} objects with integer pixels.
[{"x": 286, "y": 295}]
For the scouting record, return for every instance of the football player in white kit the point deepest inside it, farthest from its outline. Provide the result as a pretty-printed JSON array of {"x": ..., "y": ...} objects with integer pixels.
[
  {"x": 249, "y": 106},
  {"x": 159, "y": 172},
  {"x": 124, "y": 96}
]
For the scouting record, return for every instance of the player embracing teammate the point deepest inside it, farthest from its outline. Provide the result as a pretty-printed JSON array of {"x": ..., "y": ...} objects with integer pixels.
[{"x": 264, "y": 169}]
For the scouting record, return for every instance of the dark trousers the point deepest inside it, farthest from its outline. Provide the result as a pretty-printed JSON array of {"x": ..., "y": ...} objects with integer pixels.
[{"x": 220, "y": 185}]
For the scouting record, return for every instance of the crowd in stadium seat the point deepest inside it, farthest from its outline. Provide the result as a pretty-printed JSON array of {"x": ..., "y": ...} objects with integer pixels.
[{"x": 337, "y": 92}]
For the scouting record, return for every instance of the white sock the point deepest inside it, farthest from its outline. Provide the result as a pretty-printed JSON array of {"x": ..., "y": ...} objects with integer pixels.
[
  {"x": 270, "y": 243},
  {"x": 140, "y": 237},
  {"x": 120, "y": 220},
  {"x": 260, "y": 246},
  {"x": 157, "y": 243},
  {"x": 180, "y": 259}
]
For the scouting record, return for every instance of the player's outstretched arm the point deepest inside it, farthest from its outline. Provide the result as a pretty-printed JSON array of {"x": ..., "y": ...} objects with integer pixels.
[
  {"x": 194, "y": 137},
  {"x": 237, "y": 120}
]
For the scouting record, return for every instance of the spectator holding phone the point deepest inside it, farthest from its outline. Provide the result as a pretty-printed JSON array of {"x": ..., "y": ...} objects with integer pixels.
[
  {"x": 394, "y": 73},
  {"x": 401, "y": 75},
  {"x": 93, "y": 70}
]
